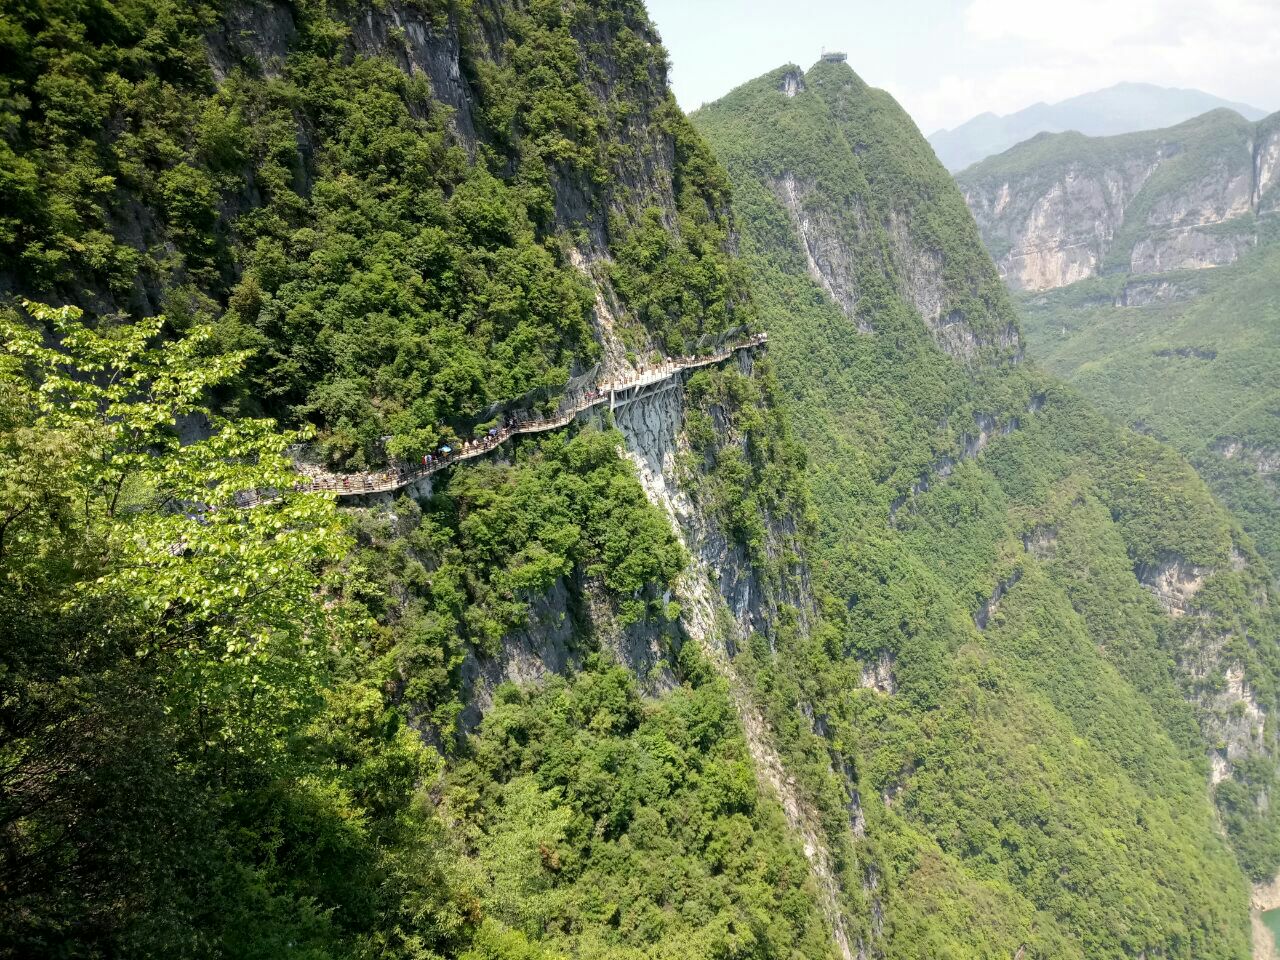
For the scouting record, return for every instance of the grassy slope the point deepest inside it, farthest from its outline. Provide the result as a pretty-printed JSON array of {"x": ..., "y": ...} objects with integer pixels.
[{"x": 1055, "y": 743}]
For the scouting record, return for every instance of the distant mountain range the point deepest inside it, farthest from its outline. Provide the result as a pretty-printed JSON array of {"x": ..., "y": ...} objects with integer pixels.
[{"x": 1124, "y": 108}]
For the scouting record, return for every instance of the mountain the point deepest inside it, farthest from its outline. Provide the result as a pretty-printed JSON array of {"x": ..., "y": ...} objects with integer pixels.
[
  {"x": 1063, "y": 207},
  {"x": 491, "y": 712},
  {"x": 453, "y": 505},
  {"x": 1124, "y": 108},
  {"x": 1048, "y": 560},
  {"x": 1148, "y": 262},
  {"x": 1184, "y": 356}
]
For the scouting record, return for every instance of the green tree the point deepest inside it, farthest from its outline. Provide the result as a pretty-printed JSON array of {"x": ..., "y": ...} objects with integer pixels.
[{"x": 156, "y": 635}]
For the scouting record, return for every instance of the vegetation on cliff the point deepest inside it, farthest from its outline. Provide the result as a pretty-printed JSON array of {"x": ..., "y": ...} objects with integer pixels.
[
  {"x": 259, "y": 732},
  {"x": 990, "y": 669},
  {"x": 1191, "y": 367},
  {"x": 233, "y": 732},
  {"x": 310, "y": 195}
]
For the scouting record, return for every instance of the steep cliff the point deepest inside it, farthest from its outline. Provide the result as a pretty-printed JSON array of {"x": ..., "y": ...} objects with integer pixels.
[
  {"x": 1064, "y": 207},
  {"x": 418, "y": 217},
  {"x": 859, "y": 645},
  {"x": 1019, "y": 595}
]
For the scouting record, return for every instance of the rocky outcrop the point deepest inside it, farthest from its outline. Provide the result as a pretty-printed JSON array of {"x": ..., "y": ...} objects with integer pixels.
[
  {"x": 1062, "y": 208},
  {"x": 1049, "y": 235},
  {"x": 922, "y": 283},
  {"x": 1186, "y": 248},
  {"x": 1232, "y": 718},
  {"x": 1266, "y": 896},
  {"x": 1142, "y": 293},
  {"x": 829, "y": 259},
  {"x": 985, "y": 612},
  {"x": 1041, "y": 542},
  {"x": 792, "y": 82},
  {"x": 1263, "y": 459},
  {"x": 986, "y": 428},
  {"x": 1174, "y": 583},
  {"x": 1266, "y": 167},
  {"x": 878, "y": 675}
]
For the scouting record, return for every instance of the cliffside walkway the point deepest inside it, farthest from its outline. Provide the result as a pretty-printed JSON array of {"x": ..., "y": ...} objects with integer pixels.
[{"x": 615, "y": 393}]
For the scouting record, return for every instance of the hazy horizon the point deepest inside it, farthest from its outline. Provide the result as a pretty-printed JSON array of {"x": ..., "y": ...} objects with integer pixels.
[{"x": 947, "y": 61}]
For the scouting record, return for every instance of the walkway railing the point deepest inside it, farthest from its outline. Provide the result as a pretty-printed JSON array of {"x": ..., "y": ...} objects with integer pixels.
[{"x": 615, "y": 393}]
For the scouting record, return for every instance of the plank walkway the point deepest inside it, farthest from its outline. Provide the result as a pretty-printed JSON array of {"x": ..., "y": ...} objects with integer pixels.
[{"x": 615, "y": 394}]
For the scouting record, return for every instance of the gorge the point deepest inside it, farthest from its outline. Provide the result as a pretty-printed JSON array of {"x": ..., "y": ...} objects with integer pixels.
[{"x": 858, "y": 634}]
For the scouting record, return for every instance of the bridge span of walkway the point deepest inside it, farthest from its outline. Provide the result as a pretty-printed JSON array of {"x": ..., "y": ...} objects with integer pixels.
[{"x": 616, "y": 394}]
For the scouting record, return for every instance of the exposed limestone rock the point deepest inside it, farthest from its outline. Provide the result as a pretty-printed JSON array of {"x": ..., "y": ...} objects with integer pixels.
[
  {"x": 922, "y": 284},
  {"x": 1041, "y": 543},
  {"x": 543, "y": 647},
  {"x": 1187, "y": 248},
  {"x": 984, "y": 613},
  {"x": 792, "y": 83},
  {"x": 1141, "y": 293},
  {"x": 1266, "y": 196},
  {"x": 878, "y": 676},
  {"x": 614, "y": 364},
  {"x": 721, "y": 603},
  {"x": 971, "y": 444},
  {"x": 1174, "y": 583},
  {"x": 1266, "y": 462},
  {"x": 1112, "y": 204},
  {"x": 1266, "y": 896},
  {"x": 720, "y": 600},
  {"x": 918, "y": 270},
  {"x": 651, "y": 427},
  {"x": 255, "y": 33},
  {"x": 1218, "y": 195},
  {"x": 1233, "y": 720},
  {"x": 1052, "y": 236},
  {"x": 830, "y": 264}
]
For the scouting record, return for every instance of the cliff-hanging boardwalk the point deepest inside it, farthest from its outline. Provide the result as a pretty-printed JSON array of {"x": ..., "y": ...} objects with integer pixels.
[{"x": 615, "y": 394}]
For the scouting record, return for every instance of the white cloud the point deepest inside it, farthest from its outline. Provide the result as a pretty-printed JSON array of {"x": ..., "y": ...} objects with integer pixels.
[
  {"x": 1079, "y": 25},
  {"x": 1029, "y": 50}
]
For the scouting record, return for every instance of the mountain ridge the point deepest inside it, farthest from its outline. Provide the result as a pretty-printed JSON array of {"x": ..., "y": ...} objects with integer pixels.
[
  {"x": 1062, "y": 206},
  {"x": 909, "y": 441},
  {"x": 1122, "y": 108}
]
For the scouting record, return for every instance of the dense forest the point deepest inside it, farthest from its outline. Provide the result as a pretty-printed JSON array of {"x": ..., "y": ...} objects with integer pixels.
[
  {"x": 239, "y": 732},
  {"x": 873, "y": 643},
  {"x": 999, "y": 606}
]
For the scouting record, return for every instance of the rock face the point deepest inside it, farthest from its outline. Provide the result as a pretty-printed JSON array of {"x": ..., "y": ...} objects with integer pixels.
[
  {"x": 724, "y": 600},
  {"x": 1266, "y": 462},
  {"x": 1061, "y": 208},
  {"x": 1141, "y": 293},
  {"x": 858, "y": 221},
  {"x": 830, "y": 262},
  {"x": 1174, "y": 583}
]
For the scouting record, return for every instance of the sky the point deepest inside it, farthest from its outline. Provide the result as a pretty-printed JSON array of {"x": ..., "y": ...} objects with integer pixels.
[{"x": 949, "y": 60}]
